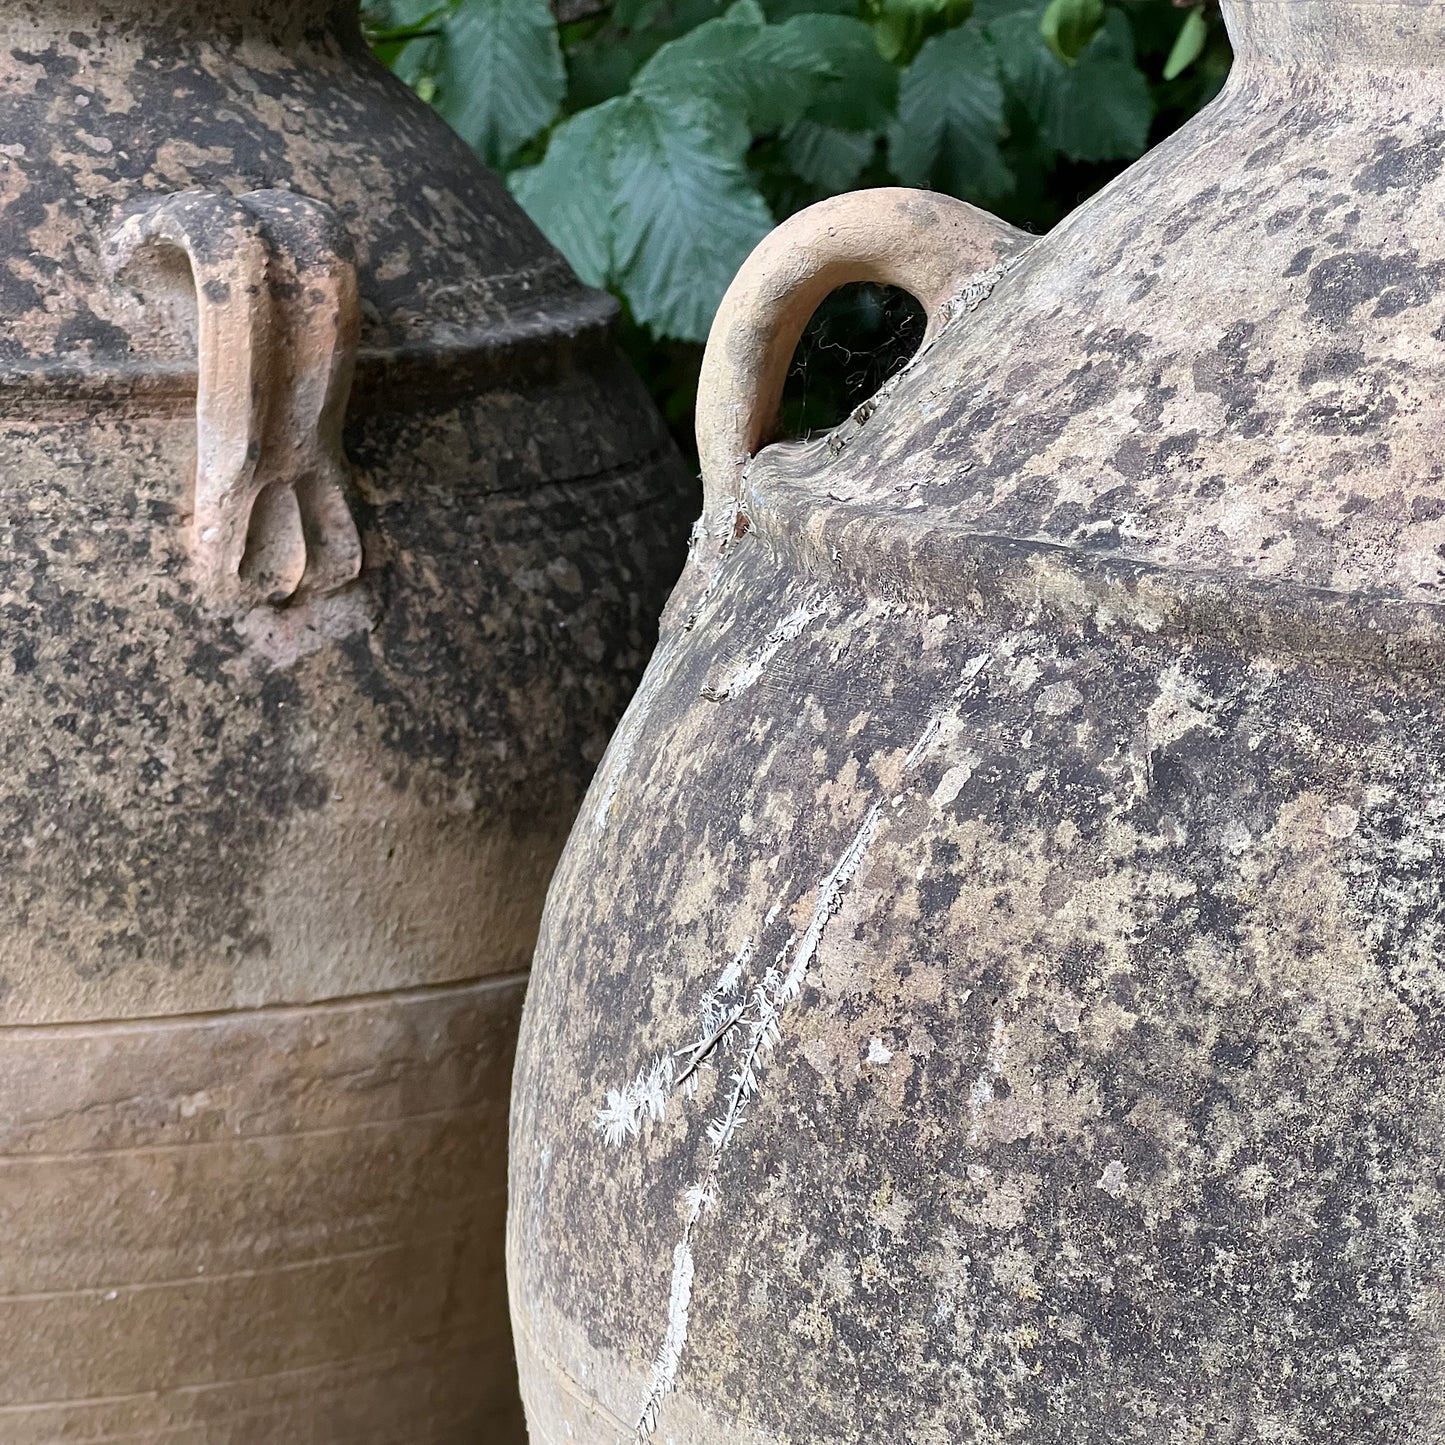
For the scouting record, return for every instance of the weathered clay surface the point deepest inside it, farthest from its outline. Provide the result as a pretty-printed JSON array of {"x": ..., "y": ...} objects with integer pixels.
[
  {"x": 930, "y": 245},
  {"x": 283, "y": 1214},
  {"x": 994, "y": 990},
  {"x": 217, "y": 811}
]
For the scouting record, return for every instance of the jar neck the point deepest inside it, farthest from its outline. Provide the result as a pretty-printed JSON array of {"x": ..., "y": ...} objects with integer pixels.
[{"x": 1387, "y": 36}]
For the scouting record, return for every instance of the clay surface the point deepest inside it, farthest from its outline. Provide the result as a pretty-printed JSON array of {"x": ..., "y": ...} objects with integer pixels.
[
  {"x": 993, "y": 991},
  {"x": 300, "y": 698}
]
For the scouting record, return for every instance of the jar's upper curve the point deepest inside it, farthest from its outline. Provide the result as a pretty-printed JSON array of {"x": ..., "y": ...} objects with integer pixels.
[
  {"x": 1231, "y": 360},
  {"x": 105, "y": 104},
  {"x": 277, "y": 18}
]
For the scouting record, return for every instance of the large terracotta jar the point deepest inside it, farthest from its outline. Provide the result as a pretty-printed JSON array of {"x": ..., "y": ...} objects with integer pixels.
[
  {"x": 995, "y": 990},
  {"x": 301, "y": 678}
]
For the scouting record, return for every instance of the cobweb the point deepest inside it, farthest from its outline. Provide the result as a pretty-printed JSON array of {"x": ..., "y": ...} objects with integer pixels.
[{"x": 859, "y": 337}]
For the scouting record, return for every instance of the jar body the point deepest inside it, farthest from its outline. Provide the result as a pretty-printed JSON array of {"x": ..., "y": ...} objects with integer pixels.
[
  {"x": 1054, "y": 983},
  {"x": 992, "y": 992},
  {"x": 273, "y": 869}
]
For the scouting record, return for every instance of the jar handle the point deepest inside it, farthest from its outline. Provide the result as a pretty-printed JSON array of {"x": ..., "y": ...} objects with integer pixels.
[
  {"x": 277, "y": 319},
  {"x": 930, "y": 245}
]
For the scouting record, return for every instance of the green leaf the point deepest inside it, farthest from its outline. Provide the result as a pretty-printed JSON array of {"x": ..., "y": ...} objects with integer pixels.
[
  {"x": 861, "y": 89},
  {"x": 394, "y": 15},
  {"x": 826, "y": 157},
  {"x": 950, "y": 118},
  {"x": 635, "y": 14},
  {"x": 603, "y": 65},
  {"x": 1102, "y": 108},
  {"x": 921, "y": 8},
  {"x": 702, "y": 59},
  {"x": 668, "y": 17},
  {"x": 502, "y": 76},
  {"x": 1097, "y": 109},
  {"x": 412, "y": 61},
  {"x": 986, "y": 12},
  {"x": 1100, "y": 112},
  {"x": 404, "y": 35},
  {"x": 1068, "y": 26},
  {"x": 686, "y": 212},
  {"x": 787, "y": 75},
  {"x": 569, "y": 194},
  {"x": 901, "y": 26},
  {"x": 787, "y": 9},
  {"x": 1188, "y": 45},
  {"x": 758, "y": 72}
]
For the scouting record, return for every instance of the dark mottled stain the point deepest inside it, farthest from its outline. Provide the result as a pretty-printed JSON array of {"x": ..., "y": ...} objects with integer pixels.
[
  {"x": 1330, "y": 363},
  {"x": 1340, "y": 285},
  {"x": 1283, "y": 219},
  {"x": 1401, "y": 165},
  {"x": 1226, "y": 371}
]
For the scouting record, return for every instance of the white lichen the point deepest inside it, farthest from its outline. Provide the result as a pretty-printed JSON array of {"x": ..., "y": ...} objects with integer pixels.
[
  {"x": 669, "y": 1353},
  {"x": 622, "y": 1114},
  {"x": 780, "y": 985},
  {"x": 750, "y": 1025},
  {"x": 744, "y": 674}
]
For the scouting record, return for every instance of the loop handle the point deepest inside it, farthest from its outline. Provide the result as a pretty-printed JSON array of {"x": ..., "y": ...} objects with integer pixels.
[
  {"x": 930, "y": 245},
  {"x": 277, "y": 326}
]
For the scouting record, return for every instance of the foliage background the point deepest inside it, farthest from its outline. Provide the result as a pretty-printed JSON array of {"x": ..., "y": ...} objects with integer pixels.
[{"x": 656, "y": 141}]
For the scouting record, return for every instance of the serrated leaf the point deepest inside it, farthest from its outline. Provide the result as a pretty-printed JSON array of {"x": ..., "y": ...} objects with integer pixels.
[
  {"x": 693, "y": 60},
  {"x": 1097, "y": 109},
  {"x": 1028, "y": 67},
  {"x": 1068, "y": 26},
  {"x": 786, "y": 76},
  {"x": 861, "y": 90},
  {"x": 1102, "y": 108},
  {"x": 502, "y": 76},
  {"x": 1188, "y": 45},
  {"x": 686, "y": 212},
  {"x": 1100, "y": 111},
  {"x": 569, "y": 195},
  {"x": 826, "y": 157},
  {"x": 950, "y": 118},
  {"x": 759, "y": 72}
]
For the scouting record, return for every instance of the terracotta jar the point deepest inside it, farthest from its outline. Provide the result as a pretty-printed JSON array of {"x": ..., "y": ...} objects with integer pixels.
[
  {"x": 300, "y": 694},
  {"x": 996, "y": 988}
]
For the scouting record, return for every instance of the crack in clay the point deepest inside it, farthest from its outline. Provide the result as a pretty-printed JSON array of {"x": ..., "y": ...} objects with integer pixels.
[
  {"x": 979, "y": 288},
  {"x": 772, "y": 996},
  {"x": 760, "y": 1019},
  {"x": 744, "y": 674},
  {"x": 624, "y": 1109}
]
